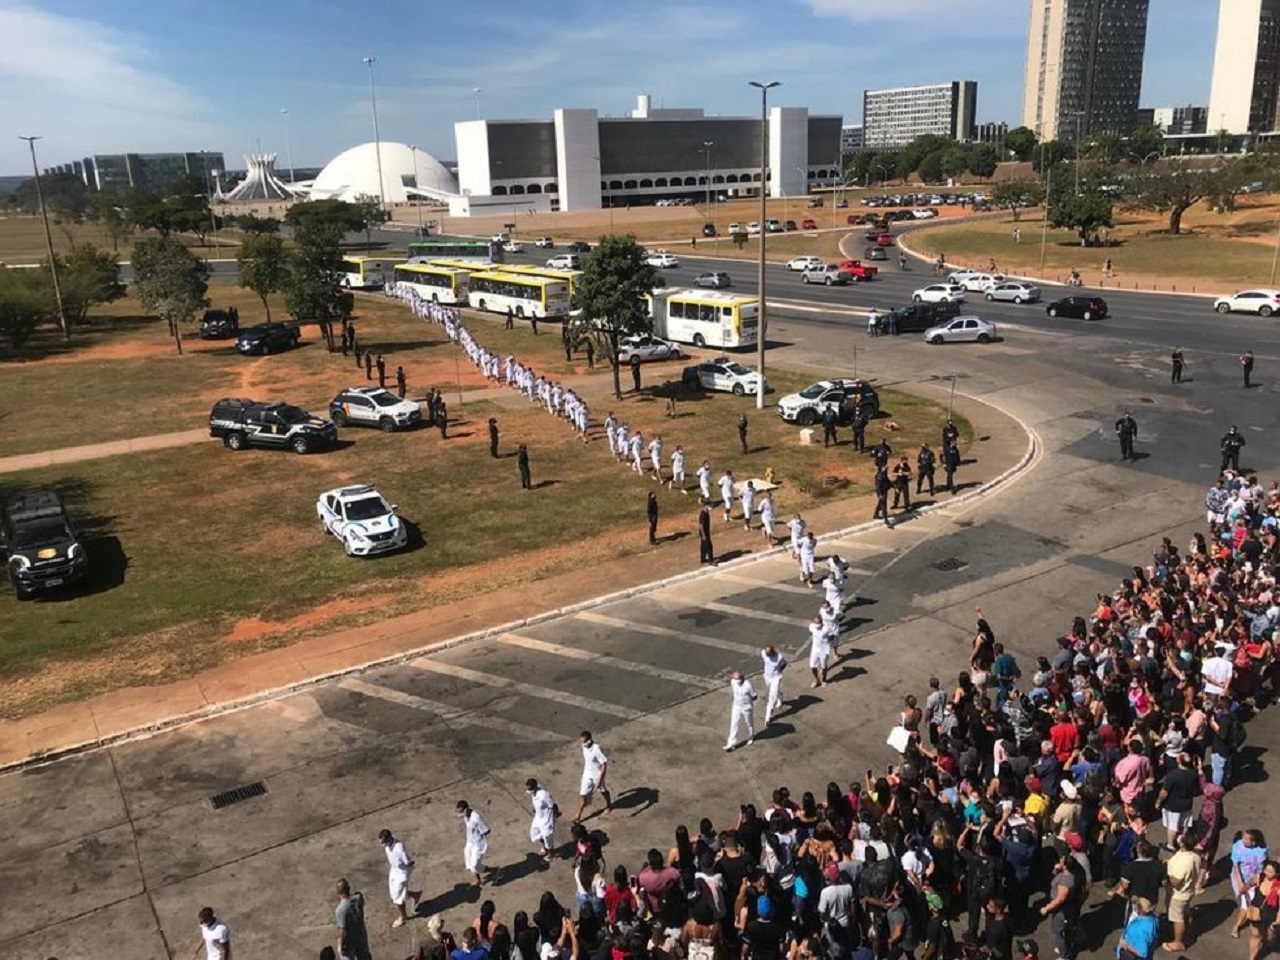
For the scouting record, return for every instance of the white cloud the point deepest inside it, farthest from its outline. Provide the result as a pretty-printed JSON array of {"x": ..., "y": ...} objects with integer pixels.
[
  {"x": 86, "y": 88},
  {"x": 961, "y": 19}
]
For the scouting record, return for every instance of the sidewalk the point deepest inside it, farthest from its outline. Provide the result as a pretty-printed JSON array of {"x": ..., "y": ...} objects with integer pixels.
[
  {"x": 1001, "y": 446},
  {"x": 96, "y": 451}
]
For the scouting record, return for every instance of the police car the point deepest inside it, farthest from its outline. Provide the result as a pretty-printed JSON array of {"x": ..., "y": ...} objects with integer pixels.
[
  {"x": 808, "y": 406},
  {"x": 723, "y": 374},
  {"x": 364, "y": 522},
  {"x": 373, "y": 407}
]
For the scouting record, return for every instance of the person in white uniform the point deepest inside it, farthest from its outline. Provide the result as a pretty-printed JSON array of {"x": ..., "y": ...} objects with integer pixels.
[
  {"x": 807, "y": 553},
  {"x": 476, "y": 845},
  {"x": 704, "y": 480},
  {"x": 623, "y": 435},
  {"x": 595, "y": 767},
  {"x": 833, "y": 593},
  {"x": 831, "y": 624},
  {"x": 767, "y": 516},
  {"x": 655, "y": 456},
  {"x": 399, "y": 873},
  {"x": 748, "y": 504},
  {"x": 744, "y": 699},
  {"x": 637, "y": 452},
  {"x": 214, "y": 937},
  {"x": 774, "y": 664},
  {"x": 796, "y": 527},
  {"x": 726, "y": 494},
  {"x": 611, "y": 430},
  {"x": 542, "y": 829},
  {"x": 819, "y": 651},
  {"x": 677, "y": 471}
]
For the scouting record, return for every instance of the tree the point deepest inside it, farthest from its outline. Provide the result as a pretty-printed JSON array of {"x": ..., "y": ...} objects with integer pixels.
[
  {"x": 857, "y": 168},
  {"x": 326, "y": 214},
  {"x": 884, "y": 166},
  {"x": 372, "y": 213},
  {"x": 1021, "y": 142},
  {"x": 1083, "y": 212},
  {"x": 913, "y": 154},
  {"x": 252, "y": 225},
  {"x": 264, "y": 266},
  {"x": 954, "y": 162},
  {"x": 1143, "y": 142},
  {"x": 26, "y": 301},
  {"x": 930, "y": 167},
  {"x": 170, "y": 281},
  {"x": 982, "y": 160},
  {"x": 611, "y": 291},
  {"x": 1016, "y": 194},
  {"x": 312, "y": 289},
  {"x": 65, "y": 196},
  {"x": 188, "y": 201},
  {"x": 105, "y": 210},
  {"x": 1172, "y": 191},
  {"x": 87, "y": 277},
  {"x": 1050, "y": 153}
]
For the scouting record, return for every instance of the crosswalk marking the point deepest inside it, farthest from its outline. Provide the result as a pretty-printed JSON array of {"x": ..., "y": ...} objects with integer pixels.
[
  {"x": 738, "y": 611},
  {"x": 528, "y": 689},
  {"x": 733, "y": 646},
  {"x": 574, "y": 653},
  {"x": 445, "y": 712},
  {"x": 774, "y": 585}
]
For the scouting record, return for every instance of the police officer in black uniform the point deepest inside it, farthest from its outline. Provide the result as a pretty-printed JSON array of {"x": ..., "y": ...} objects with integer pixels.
[
  {"x": 368, "y": 364},
  {"x": 522, "y": 461},
  {"x": 493, "y": 437},
  {"x": 926, "y": 464},
  {"x": 1246, "y": 367},
  {"x": 1178, "y": 362},
  {"x": 860, "y": 428},
  {"x": 431, "y": 406},
  {"x": 950, "y": 463},
  {"x": 382, "y": 371},
  {"x": 1127, "y": 431},
  {"x": 401, "y": 382},
  {"x": 742, "y": 432},
  {"x": 882, "y": 497},
  {"x": 950, "y": 435},
  {"x": 829, "y": 427},
  {"x": 882, "y": 452},
  {"x": 442, "y": 417},
  {"x": 902, "y": 483},
  {"x": 1231, "y": 444},
  {"x": 706, "y": 552}
]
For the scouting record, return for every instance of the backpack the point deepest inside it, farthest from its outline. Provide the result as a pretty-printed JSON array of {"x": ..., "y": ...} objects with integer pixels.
[{"x": 985, "y": 880}]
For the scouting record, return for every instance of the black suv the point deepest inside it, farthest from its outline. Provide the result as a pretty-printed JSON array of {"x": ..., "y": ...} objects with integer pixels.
[
  {"x": 249, "y": 423},
  {"x": 268, "y": 337},
  {"x": 918, "y": 317},
  {"x": 219, "y": 324},
  {"x": 40, "y": 544}
]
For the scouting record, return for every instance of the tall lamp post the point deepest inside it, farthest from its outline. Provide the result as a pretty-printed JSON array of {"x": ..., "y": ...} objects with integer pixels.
[
  {"x": 706, "y": 148},
  {"x": 288, "y": 143},
  {"x": 369, "y": 61},
  {"x": 475, "y": 92},
  {"x": 1044, "y": 226},
  {"x": 48, "y": 239},
  {"x": 417, "y": 188},
  {"x": 762, "y": 333}
]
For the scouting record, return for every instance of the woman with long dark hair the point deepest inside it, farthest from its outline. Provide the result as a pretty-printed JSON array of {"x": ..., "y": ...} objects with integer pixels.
[{"x": 681, "y": 855}]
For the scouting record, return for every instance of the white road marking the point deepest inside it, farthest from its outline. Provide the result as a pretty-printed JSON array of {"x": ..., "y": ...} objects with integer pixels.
[
  {"x": 445, "y": 712},
  {"x": 574, "y": 653},
  {"x": 733, "y": 646}
]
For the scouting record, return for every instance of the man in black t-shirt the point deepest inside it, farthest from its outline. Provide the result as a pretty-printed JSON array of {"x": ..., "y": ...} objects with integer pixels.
[
  {"x": 1143, "y": 876},
  {"x": 762, "y": 937},
  {"x": 997, "y": 935},
  {"x": 1181, "y": 785}
]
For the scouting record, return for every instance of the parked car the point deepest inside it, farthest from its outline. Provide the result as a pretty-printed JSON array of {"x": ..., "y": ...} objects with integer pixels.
[
  {"x": 362, "y": 519},
  {"x": 638, "y": 349},
  {"x": 722, "y": 374},
  {"x": 565, "y": 261},
  {"x": 789, "y": 226},
  {"x": 810, "y": 262},
  {"x": 708, "y": 229},
  {"x": 513, "y": 246},
  {"x": 219, "y": 324},
  {"x": 809, "y": 224},
  {"x": 917, "y": 317},
  {"x": 662, "y": 260},
  {"x": 251, "y": 423},
  {"x": 735, "y": 228},
  {"x": 373, "y": 407},
  {"x": 753, "y": 228},
  {"x": 715, "y": 279},
  {"x": 926, "y": 214},
  {"x": 39, "y": 544},
  {"x": 1262, "y": 302},
  {"x": 579, "y": 246},
  {"x": 772, "y": 225},
  {"x": 1012, "y": 290},
  {"x": 828, "y": 274},
  {"x": 544, "y": 243},
  {"x": 814, "y": 202},
  {"x": 859, "y": 270},
  {"x": 267, "y": 338},
  {"x": 844, "y": 396},
  {"x": 1079, "y": 308},
  {"x": 938, "y": 292},
  {"x": 853, "y": 219},
  {"x": 961, "y": 330}
]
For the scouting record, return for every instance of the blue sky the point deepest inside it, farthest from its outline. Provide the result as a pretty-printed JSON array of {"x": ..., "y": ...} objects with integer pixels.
[{"x": 94, "y": 77}]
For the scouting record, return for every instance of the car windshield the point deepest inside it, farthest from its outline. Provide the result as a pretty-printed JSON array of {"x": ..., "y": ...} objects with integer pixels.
[
  {"x": 385, "y": 399},
  {"x": 39, "y": 534},
  {"x": 814, "y": 391},
  {"x": 293, "y": 414},
  {"x": 366, "y": 508},
  {"x": 737, "y": 369}
]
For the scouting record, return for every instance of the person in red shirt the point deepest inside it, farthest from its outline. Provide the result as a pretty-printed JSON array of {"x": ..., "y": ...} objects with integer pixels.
[
  {"x": 1065, "y": 738},
  {"x": 618, "y": 892}
]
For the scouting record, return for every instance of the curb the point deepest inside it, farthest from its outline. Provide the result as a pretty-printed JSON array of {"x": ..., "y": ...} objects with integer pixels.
[{"x": 1029, "y": 457}]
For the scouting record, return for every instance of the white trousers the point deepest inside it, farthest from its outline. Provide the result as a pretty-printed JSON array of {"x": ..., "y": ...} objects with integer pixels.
[
  {"x": 741, "y": 716},
  {"x": 774, "y": 700}
]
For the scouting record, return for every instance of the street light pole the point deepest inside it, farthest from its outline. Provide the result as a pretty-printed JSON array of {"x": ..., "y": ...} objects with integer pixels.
[
  {"x": 369, "y": 61},
  {"x": 762, "y": 330},
  {"x": 48, "y": 239},
  {"x": 288, "y": 143},
  {"x": 1044, "y": 226},
  {"x": 475, "y": 92},
  {"x": 417, "y": 187},
  {"x": 706, "y": 148}
]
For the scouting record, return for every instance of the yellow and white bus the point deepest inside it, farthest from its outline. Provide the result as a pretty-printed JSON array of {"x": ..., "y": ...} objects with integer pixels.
[
  {"x": 472, "y": 266},
  {"x": 437, "y": 284},
  {"x": 367, "y": 273},
  {"x": 497, "y": 291},
  {"x": 570, "y": 277},
  {"x": 705, "y": 318}
]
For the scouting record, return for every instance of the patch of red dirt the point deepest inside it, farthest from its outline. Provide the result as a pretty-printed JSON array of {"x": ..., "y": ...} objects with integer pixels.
[{"x": 255, "y": 628}]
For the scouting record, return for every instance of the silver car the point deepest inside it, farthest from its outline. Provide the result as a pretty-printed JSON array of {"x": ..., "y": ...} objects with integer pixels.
[
  {"x": 1013, "y": 292},
  {"x": 961, "y": 330}
]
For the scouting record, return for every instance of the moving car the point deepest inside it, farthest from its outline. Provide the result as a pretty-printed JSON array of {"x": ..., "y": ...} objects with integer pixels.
[
  {"x": 876, "y": 253},
  {"x": 814, "y": 202},
  {"x": 544, "y": 243},
  {"x": 267, "y": 338},
  {"x": 1262, "y": 302},
  {"x": 808, "y": 406},
  {"x": 859, "y": 270},
  {"x": 884, "y": 240},
  {"x": 939, "y": 293},
  {"x": 962, "y": 330},
  {"x": 579, "y": 246},
  {"x": 917, "y": 317},
  {"x": 364, "y": 522},
  {"x": 975, "y": 281},
  {"x": 809, "y": 262},
  {"x": 1080, "y": 308},
  {"x": 829, "y": 274},
  {"x": 565, "y": 261},
  {"x": 513, "y": 246},
  {"x": 1012, "y": 290},
  {"x": 637, "y": 349},
  {"x": 373, "y": 407},
  {"x": 809, "y": 224},
  {"x": 715, "y": 279},
  {"x": 662, "y": 260},
  {"x": 39, "y": 544},
  {"x": 250, "y": 423},
  {"x": 723, "y": 374}
]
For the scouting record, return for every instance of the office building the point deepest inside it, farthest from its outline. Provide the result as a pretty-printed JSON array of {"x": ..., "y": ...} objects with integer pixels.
[
  {"x": 1084, "y": 67},
  {"x": 851, "y": 138},
  {"x": 153, "y": 172},
  {"x": 893, "y": 118},
  {"x": 1175, "y": 121},
  {"x": 992, "y": 132},
  {"x": 578, "y": 160},
  {"x": 1246, "y": 68}
]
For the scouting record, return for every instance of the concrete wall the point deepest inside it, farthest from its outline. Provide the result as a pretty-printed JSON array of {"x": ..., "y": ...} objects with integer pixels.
[
  {"x": 788, "y": 151},
  {"x": 578, "y": 159},
  {"x": 472, "y": 140},
  {"x": 1235, "y": 57}
]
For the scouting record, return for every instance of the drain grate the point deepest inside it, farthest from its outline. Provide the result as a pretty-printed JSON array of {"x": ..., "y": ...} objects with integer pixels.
[
  {"x": 950, "y": 564},
  {"x": 247, "y": 792}
]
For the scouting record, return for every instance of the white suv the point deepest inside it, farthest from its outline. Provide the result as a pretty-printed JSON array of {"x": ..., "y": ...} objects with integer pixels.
[
  {"x": 373, "y": 407},
  {"x": 565, "y": 261},
  {"x": 364, "y": 522}
]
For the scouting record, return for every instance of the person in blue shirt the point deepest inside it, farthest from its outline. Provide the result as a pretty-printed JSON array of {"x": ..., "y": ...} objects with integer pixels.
[
  {"x": 470, "y": 948},
  {"x": 1141, "y": 934}
]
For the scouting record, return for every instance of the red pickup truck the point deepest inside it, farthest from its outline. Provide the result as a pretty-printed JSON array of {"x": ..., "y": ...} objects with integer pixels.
[{"x": 858, "y": 270}]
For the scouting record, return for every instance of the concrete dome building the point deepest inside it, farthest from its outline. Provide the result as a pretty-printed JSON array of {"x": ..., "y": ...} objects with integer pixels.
[{"x": 407, "y": 173}]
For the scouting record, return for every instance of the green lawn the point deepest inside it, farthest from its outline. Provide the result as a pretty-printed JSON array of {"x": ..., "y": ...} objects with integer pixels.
[{"x": 22, "y": 240}]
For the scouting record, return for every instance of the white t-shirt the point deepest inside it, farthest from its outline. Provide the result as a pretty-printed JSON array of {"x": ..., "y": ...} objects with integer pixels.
[
  {"x": 398, "y": 859},
  {"x": 593, "y": 760},
  {"x": 773, "y": 666},
  {"x": 743, "y": 693},
  {"x": 1217, "y": 671},
  {"x": 216, "y": 938}
]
